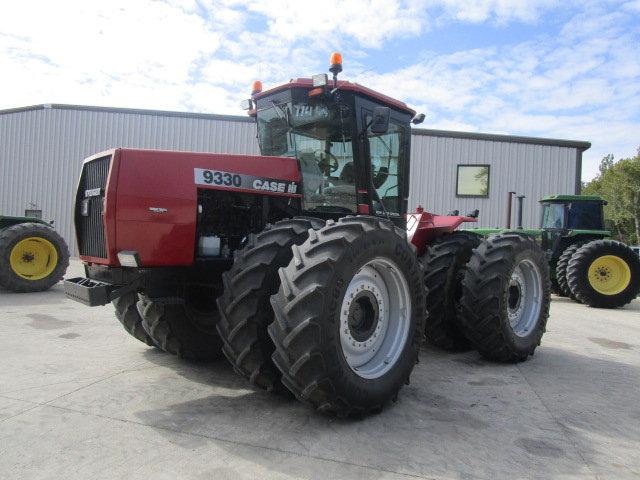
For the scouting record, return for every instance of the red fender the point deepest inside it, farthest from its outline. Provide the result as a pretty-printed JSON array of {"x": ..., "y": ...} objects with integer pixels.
[{"x": 424, "y": 227}]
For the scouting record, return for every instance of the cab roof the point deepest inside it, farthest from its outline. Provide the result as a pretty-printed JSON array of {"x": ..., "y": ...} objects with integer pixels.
[
  {"x": 343, "y": 85},
  {"x": 571, "y": 198}
]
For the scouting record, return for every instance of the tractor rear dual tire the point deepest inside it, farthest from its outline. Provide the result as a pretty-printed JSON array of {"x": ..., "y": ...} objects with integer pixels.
[
  {"x": 505, "y": 297},
  {"x": 33, "y": 257},
  {"x": 349, "y": 316},
  {"x": 561, "y": 270},
  {"x": 245, "y": 308},
  {"x": 604, "y": 274},
  {"x": 187, "y": 328},
  {"x": 444, "y": 262}
]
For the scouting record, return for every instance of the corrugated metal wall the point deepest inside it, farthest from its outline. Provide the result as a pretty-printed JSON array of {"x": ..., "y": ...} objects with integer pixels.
[
  {"x": 530, "y": 170},
  {"x": 41, "y": 151}
]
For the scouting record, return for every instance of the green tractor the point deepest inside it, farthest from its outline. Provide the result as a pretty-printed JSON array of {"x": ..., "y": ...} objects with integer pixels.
[
  {"x": 33, "y": 257},
  {"x": 586, "y": 264}
]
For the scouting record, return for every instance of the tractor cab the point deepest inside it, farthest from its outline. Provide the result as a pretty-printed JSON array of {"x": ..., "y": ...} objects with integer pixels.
[
  {"x": 572, "y": 212},
  {"x": 566, "y": 217},
  {"x": 352, "y": 143}
]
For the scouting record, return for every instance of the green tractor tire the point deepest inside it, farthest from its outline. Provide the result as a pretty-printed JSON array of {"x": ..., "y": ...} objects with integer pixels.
[
  {"x": 604, "y": 274},
  {"x": 33, "y": 257}
]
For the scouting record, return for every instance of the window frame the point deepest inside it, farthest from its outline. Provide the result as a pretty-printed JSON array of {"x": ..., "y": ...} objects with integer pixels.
[
  {"x": 31, "y": 213},
  {"x": 465, "y": 195}
]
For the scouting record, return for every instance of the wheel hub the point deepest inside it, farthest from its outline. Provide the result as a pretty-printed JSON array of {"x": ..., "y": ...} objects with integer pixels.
[
  {"x": 364, "y": 313},
  {"x": 364, "y": 317},
  {"x": 609, "y": 275},
  {"x": 374, "y": 318},
  {"x": 524, "y": 297},
  {"x": 33, "y": 258}
]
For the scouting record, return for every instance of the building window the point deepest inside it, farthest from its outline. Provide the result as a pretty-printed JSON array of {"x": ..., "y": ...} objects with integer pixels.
[
  {"x": 472, "y": 181},
  {"x": 33, "y": 214}
]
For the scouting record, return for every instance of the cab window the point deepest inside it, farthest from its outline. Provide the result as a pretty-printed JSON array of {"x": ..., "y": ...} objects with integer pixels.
[
  {"x": 585, "y": 216},
  {"x": 387, "y": 153},
  {"x": 553, "y": 215}
]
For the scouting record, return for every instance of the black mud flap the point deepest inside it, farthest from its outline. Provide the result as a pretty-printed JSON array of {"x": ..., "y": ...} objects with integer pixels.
[{"x": 93, "y": 293}]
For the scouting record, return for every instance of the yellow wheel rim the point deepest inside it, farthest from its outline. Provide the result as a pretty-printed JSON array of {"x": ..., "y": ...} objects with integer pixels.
[
  {"x": 609, "y": 275},
  {"x": 33, "y": 258}
]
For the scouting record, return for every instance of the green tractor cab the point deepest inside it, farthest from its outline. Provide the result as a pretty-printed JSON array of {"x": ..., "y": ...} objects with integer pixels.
[
  {"x": 33, "y": 257},
  {"x": 567, "y": 219},
  {"x": 585, "y": 264}
]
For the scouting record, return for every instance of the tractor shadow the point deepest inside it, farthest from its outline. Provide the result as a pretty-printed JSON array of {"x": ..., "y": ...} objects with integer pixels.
[{"x": 461, "y": 417}]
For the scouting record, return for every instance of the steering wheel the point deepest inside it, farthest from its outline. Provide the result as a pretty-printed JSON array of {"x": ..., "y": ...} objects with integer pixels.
[{"x": 327, "y": 162}]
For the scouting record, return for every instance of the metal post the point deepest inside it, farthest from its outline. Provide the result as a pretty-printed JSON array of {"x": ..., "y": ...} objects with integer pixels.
[
  {"x": 509, "y": 201},
  {"x": 520, "y": 207}
]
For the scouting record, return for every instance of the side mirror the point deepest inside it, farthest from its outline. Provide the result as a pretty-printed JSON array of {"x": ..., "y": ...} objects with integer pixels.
[
  {"x": 418, "y": 119},
  {"x": 380, "y": 122}
]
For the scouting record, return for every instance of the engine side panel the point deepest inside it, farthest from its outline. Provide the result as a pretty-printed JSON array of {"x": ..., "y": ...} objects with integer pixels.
[{"x": 152, "y": 198}]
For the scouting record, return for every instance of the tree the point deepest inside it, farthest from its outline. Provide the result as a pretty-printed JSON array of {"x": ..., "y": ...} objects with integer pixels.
[{"x": 619, "y": 184}]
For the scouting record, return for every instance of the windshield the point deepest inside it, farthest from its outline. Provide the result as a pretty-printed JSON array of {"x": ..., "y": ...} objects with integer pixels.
[
  {"x": 319, "y": 136},
  {"x": 553, "y": 215},
  {"x": 585, "y": 215}
]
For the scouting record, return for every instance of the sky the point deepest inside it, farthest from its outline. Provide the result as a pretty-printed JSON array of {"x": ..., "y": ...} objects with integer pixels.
[{"x": 568, "y": 69}]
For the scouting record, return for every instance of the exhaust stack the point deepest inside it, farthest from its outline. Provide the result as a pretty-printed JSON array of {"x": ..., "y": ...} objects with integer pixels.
[
  {"x": 520, "y": 207},
  {"x": 509, "y": 202}
]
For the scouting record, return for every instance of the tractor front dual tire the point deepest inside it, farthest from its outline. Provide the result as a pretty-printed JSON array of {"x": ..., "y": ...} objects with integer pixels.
[
  {"x": 187, "y": 328},
  {"x": 561, "y": 270},
  {"x": 349, "y": 316},
  {"x": 555, "y": 286},
  {"x": 604, "y": 274},
  {"x": 245, "y": 308},
  {"x": 505, "y": 297},
  {"x": 33, "y": 257},
  {"x": 127, "y": 313},
  {"x": 444, "y": 262}
]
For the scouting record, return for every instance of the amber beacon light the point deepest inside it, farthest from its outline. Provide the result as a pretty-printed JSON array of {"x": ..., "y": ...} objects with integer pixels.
[
  {"x": 256, "y": 87},
  {"x": 335, "y": 63}
]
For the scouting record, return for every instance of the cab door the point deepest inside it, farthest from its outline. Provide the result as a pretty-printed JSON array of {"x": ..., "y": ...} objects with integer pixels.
[
  {"x": 385, "y": 161},
  {"x": 554, "y": 221}
]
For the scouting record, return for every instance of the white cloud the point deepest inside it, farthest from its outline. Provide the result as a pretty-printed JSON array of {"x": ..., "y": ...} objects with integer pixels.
[
  {"x": 583, "y": 84},
  {"x": 203, "y": 55},
  {"x": 501, "y": 11},
  {"x": 127, "y": 51}
]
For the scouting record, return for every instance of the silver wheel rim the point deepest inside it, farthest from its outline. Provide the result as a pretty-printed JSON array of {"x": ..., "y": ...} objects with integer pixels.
[
  {"x": 524, "y": 298},
  {"x": 375, "y": 317}
]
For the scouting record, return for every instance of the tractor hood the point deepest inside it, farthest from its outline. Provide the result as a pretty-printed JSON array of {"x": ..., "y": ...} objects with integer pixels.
[{"x": 147, "y": 200}]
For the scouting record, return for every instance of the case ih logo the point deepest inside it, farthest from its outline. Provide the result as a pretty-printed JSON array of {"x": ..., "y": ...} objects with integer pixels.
[{"x": 217, "y": 178}]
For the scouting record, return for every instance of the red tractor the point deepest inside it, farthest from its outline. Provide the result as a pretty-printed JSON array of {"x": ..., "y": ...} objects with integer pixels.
[{"x": 302, "y": 265}]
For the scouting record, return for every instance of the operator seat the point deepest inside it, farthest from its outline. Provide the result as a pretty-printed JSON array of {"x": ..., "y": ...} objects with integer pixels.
[
  {"x": 311, "y": 173},
  {"x": 348, "y": 174}
]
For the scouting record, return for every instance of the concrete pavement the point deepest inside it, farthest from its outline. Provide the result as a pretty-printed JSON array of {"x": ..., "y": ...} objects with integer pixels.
[{"x": 79, "y": 398}]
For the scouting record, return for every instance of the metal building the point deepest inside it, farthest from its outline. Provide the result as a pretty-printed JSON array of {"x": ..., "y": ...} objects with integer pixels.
[{"x": 42, "y": 148}]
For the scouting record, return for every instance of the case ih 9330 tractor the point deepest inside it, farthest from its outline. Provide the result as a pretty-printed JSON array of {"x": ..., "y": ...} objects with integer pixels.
[{"x": 301, "y": 265}]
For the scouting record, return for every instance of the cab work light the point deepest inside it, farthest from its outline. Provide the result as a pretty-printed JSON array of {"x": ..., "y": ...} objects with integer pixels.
[{"x": 320, "y": 80}]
